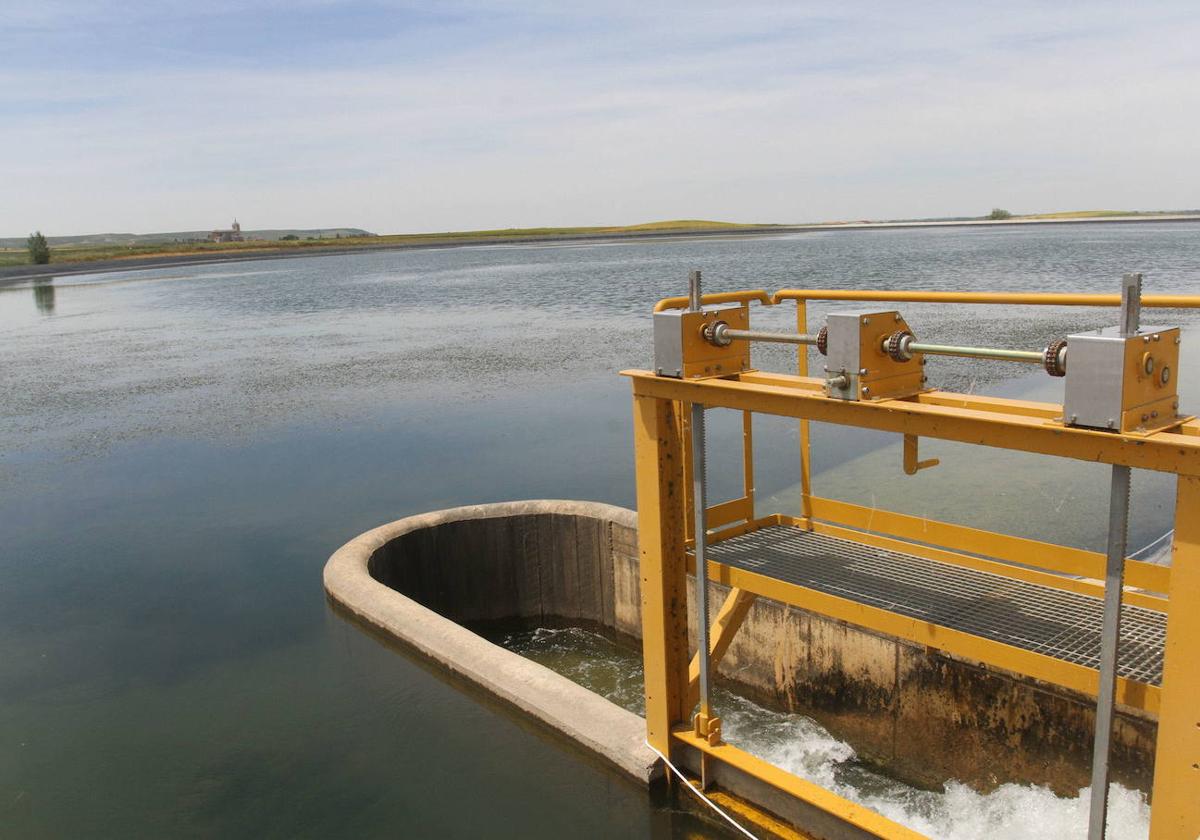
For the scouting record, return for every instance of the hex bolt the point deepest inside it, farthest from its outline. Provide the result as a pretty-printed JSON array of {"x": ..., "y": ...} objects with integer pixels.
[
  {"x": 1154, "y": 414},
  {"x": 866, "y": 321},
  {"x": 866, "y": 390},
  {"x": 1145, "y": 339},
  {"x": 897, "y": 316},
  {"x": 1157, "y": 337},
  {"x": 862, "y": 372},
  {"x": 1145, "y": 417}
]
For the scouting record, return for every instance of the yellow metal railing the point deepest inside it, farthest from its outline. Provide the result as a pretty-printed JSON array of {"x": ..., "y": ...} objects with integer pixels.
[
  {"x": 1010, "y": 298},
  {"x": 743, "y": 296}
]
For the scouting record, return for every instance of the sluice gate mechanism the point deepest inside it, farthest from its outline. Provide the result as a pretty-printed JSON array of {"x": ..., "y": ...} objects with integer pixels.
[{"x": 1121, "y": 630}]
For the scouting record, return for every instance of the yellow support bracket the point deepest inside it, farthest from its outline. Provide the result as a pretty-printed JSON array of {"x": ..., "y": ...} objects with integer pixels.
[{"x": 725, "y": 626}]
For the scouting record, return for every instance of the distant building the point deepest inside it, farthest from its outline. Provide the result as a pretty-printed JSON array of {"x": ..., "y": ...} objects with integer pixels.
[{"x": 234, "y": 234}]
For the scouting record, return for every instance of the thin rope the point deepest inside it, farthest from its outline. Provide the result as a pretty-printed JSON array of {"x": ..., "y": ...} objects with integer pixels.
[{"x": 700, "y": 793}]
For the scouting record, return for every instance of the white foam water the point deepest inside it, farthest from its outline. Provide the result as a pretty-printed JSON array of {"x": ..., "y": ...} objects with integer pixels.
[{"x": 802, "y": 746}]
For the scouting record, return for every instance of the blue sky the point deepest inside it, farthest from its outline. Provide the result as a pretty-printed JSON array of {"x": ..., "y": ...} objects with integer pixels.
[{"x": 397, "y": 116}]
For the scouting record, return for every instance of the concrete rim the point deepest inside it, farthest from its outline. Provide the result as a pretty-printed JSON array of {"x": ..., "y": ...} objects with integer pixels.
[{"x": 569, "y": 709}]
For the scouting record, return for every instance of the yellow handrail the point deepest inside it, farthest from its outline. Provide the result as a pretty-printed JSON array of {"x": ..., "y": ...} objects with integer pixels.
[
  {"x": 743, "y": 296},
  {"x": 1012, "y": 298}
]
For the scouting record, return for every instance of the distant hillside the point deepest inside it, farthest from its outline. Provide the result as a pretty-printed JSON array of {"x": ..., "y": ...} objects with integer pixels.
[{"x": 183, "y": 236}]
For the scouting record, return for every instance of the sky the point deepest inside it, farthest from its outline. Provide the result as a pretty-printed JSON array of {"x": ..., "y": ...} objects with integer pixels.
[{"x": 395, "y": 116}]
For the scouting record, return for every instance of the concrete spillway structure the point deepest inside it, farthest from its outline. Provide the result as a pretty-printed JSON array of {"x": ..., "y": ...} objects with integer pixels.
[{"x": 918, "y": 714}]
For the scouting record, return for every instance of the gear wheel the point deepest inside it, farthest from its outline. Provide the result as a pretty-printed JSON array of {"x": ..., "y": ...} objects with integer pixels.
[
  {"x": 895, "y": 346},
  {"x": 1051, "y": 356},
  {"x": 823, "y": 341}
]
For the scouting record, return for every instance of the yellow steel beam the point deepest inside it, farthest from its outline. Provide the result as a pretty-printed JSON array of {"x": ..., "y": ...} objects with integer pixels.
[
  {"x": 753, "y": 525},
  {"x": 851, "y": 813},
  {"x": 662, "y": 565},
  {"x": 1009, "y": 298},
  {"x": 1164, "y": 451},
  {"x": 1059, "y": 558},
  {"x": 1175, "y": 811},
  {"x": 974, "y": 402},
  {"x": 1018, "y": 660},
  {"x": 1030, "y": 408},
  {"x": 734, "y": 510},
  {"x": 724, "y": 628}
]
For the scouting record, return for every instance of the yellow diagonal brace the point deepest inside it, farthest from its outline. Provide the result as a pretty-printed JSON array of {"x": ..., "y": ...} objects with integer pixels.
[{"x": 725, "y": 626}]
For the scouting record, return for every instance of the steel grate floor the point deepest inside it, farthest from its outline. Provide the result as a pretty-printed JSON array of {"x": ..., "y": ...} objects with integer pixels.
[{"x": 1064, "y": 625}]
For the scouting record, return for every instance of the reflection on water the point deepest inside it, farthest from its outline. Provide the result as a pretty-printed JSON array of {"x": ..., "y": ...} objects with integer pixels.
[
  {"x": 43, "y": 296},
  {"x": 182, "y": 448}
]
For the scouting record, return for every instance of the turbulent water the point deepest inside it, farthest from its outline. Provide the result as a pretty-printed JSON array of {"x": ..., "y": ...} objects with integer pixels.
[
  {"x": 182, "y": 448},
  {"x": 802, "y": 746}
]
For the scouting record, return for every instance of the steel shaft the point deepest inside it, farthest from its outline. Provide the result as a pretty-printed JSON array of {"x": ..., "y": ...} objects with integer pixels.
[
  {"x": 1114, "y": 585},
  {"x": 1032, "y": 356},
  {"x": 723, "y": 334},
  {"x": 700, "y": 529}
]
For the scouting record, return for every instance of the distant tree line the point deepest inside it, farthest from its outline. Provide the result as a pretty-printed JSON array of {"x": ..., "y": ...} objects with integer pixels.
[{"x": 998, "y": 215}]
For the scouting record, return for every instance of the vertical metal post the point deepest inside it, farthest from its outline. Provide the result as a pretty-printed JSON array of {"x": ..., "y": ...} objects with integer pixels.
[
  {"x": 805, "y": 439},
  {"x": 1176, "y": 810},
  {"x": 1114, "y": 585},
  {"x": 700, "y": 529},
  {"x": 658, "y": 450}
]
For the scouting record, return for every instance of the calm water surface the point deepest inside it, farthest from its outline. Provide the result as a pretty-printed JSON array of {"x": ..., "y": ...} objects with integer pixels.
[{"x": 181, "y": 449}]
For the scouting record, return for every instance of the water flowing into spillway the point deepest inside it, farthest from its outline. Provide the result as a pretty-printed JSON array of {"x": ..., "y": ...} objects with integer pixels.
[{"x": 802, "y": 746}]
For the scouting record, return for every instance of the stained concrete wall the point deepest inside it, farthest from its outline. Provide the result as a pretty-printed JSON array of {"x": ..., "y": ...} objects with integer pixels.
[
  {"x": 920, "y": 715},
  {"x": 540, "y": 563}
]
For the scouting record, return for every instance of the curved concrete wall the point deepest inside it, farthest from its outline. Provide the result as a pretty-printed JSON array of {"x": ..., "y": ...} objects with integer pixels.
[
  {"x": 920, "y": 715},
  {"x": 439, "y": 554}
]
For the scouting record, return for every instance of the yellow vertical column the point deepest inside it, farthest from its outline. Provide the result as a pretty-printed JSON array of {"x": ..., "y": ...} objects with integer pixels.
[
  {"x": 658, "y": 453},
  {"x": 805, "y": 446},
  {"x": 1175, "y": 808}
]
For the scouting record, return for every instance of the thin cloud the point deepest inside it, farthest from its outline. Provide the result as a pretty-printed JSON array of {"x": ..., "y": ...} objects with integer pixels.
[{"x": 479, "y": 115}]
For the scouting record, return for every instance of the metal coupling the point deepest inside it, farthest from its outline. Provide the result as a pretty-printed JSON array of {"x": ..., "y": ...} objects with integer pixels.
[
  {"x": 898, "y": 346},
  {"x": 1054, "y": 358},
  {"x": 716, "y": 332}
]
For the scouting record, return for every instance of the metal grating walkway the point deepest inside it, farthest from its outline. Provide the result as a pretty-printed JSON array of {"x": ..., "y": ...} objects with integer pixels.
[{"x": 1064, "y": 625}]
